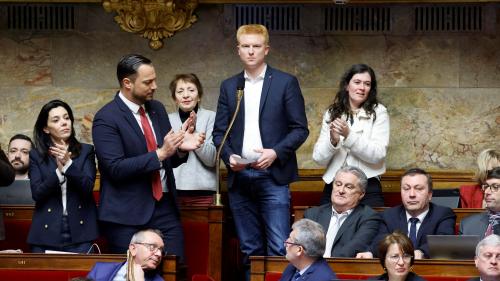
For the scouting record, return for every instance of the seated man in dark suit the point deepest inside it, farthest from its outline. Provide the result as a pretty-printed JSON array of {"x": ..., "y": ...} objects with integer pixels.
[
  {"x": 350, "y": 227},
  {"x": 304, "y": 250},
  {"x": 488, "y": 222},
  {"x": 144, "y": 255},
  {"x": 488, "y": 259},
  {"x": 417, "y": 217}
]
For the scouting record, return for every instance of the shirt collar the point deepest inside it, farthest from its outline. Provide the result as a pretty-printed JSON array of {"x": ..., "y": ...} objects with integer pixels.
[
  {"x": 260, "y": 77},
  {"x": 419, "y": 217},
  {"x": 304, "y": 270},
  {"x": 335, "y": 213},
  {"x": 132, "y": 106}
]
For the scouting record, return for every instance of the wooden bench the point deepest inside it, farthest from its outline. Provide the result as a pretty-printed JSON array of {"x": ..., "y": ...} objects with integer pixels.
[
  {"x": 60, "y": 267},
  {"x": 203, "y": 228},
  {"x": 298, "y": 212},
  {"x": 308, "y": 189},
  {"x": 363, "y": 268}
]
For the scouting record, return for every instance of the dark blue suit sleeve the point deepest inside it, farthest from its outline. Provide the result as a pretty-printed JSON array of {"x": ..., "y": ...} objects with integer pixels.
[
  {"x": 297, "y": 122},
  {"x": 43, "y": 178},
  {"x": 82, "y": 173},
  {"x": 114, "y": 146},
  {"x": 7, "y": 174}
]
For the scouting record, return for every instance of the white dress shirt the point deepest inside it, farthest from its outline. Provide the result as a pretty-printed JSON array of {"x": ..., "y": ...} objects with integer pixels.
[
  {"x": 420, "y": 220},
  {"x": 251, "y": 138},
  {"x": 336, "y": 222},
  {"x": 63, "y": 183}
]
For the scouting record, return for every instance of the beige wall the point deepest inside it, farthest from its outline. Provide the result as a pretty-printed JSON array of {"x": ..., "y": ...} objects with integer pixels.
[{"x": 442, "y": 91}]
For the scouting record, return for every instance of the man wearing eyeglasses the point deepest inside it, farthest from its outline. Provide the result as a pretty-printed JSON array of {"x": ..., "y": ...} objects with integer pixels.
[
  {"x": 488, "y": 259},
  {"x": 486, "y": 223},
  {"x": 144, "y": 255},
  {"x": 304, "y": 250}
]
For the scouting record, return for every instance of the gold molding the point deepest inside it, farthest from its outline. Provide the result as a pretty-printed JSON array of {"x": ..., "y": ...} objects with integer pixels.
[{"x": 153, "y": 19}]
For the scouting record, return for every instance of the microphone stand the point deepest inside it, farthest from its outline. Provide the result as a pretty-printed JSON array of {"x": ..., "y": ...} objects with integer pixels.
[{"x": 217, "y": 196}]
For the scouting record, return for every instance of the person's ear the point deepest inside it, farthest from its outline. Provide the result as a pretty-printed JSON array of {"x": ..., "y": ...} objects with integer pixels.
[
  {"x": 132, "y": 249},
  {"x": 127, "y": 83}
]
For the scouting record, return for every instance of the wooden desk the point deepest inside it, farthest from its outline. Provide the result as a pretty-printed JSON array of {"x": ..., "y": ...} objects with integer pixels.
[
  {"x": 212, "y": 215},
  {"x": 298, "y": 212},
  {"x": 260, "y": 265},
  {"x": 83, "y": 263}
]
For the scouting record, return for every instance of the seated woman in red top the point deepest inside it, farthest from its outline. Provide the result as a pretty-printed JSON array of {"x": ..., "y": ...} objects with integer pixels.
[{"x": 471, "y": 196}]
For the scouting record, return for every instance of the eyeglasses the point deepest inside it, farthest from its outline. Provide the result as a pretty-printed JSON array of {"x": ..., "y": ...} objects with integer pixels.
[
  {"x": 395, "y": 258},
  {"x": 286, "y": 242},
  {"x": 492, "y": 187},
  {"x": 152, "y": 247}
]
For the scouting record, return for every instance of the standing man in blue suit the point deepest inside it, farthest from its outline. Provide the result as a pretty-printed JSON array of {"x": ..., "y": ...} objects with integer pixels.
[
  {"x": 137, "y": 149},
  {"x": 304, "y": 249},
  {"x": 269, "y": 128}
]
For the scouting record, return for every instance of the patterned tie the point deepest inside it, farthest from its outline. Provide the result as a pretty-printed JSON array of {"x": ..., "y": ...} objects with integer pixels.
[
  {"x": 296, "y": 276},
  {"x": 151, "y": 143},
  {"x": 493, "y": 218},
  {"x": 413, "y": 231}
]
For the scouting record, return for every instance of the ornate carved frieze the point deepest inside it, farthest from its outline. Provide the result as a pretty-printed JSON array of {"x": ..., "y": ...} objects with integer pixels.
[{"x": 153, "y": 19}]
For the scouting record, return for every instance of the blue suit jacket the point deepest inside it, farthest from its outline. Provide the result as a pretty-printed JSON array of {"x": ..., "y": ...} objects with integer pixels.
[
  {"x": 46, "y": 191},
  {"x": 125, "y": 164},
  {"x": 106, "y": 271},
  {"x": 438, "y": 221},
  {"x": 282, "y": 122},
  {"x": 318, "y": 271}
]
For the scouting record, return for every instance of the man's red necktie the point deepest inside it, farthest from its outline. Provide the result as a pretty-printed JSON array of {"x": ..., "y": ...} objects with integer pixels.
[{"x": 151, "y": 143}]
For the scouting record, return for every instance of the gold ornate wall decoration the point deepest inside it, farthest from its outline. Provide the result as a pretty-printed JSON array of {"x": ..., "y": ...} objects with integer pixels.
[{"x": 153, "y": 19}]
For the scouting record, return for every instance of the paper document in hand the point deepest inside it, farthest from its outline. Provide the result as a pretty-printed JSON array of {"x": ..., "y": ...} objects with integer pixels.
[{"x": 243, "y": 161}]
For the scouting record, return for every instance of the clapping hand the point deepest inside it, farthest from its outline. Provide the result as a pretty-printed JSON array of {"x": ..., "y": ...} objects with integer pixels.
[
  {"x": 60, "y": 152},
  {"x": 192, "y": 141}
]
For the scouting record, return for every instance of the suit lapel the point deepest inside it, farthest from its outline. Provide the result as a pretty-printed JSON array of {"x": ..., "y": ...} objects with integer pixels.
[
  {"x": 403, "y": 223},
  {"x": 325, "y": 216},
  {"x": 239, "y": 123},
  {"x": 425, "y": 223},
  {"x": 265, "y": 88},
  {"x": 128, "y": 116},
  {"x": 349, "y": 221},
  {"x": 153, "y": 115}
]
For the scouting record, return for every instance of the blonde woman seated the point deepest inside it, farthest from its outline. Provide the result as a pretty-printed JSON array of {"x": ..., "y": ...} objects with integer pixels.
[
  {"x": 471, "y": 196},
  {"x": 396, "y": 257}
]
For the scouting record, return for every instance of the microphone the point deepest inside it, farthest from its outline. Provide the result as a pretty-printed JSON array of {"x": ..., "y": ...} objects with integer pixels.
[{"x": 240, "y": 86}]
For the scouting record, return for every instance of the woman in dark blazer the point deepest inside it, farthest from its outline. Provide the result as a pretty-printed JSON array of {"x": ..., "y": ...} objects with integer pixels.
[
  {"x": 395, "y": 252},
  {"x": 62, "y": 175}
]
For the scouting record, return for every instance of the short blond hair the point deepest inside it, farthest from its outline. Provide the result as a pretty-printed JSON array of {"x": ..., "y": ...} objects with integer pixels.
[
  {"x": 253, "y": 29},
  {"x": 485, "y": 159}
]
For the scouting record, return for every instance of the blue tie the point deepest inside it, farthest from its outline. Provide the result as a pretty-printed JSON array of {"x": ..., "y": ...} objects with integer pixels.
[
  {"x": 413, "y": 231},
  {"x": 296, "y": 276}
]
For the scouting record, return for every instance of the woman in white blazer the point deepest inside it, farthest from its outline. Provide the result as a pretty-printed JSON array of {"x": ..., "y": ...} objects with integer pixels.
[
  {"x": 355, "y": 132},
  {"x": 195, "y": 180}
]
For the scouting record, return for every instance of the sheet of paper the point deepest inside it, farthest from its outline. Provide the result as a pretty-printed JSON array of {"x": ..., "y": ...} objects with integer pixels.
[
  {"x": 243, "y": 161},
  {"x": 59, "y": 252}
]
